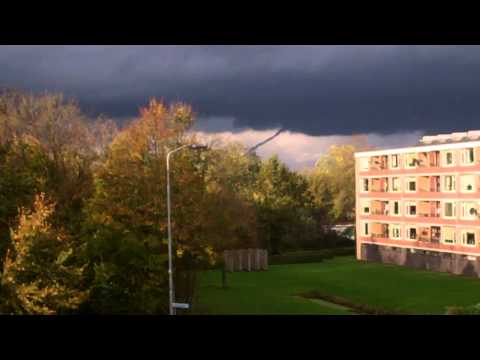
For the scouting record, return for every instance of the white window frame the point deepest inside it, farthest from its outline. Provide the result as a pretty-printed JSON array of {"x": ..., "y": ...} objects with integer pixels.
[
  {"x": 462, "y": 189},
  {"x": 444, "y": 158},
  {"x": 391, "y": 161},
  {"x": 454, "y": 182},
  {"x": 366, "y": 204},
  {"x": 454, "y": 209},
  {"x": 407, "y": 233},
  {"x": 407, "y": 156},
  {"x": 395, "y": 227},
  {"x": 463, "y": 210},
  {"x": 409, "y": 180},
  {"x": 465, "y": 156},
  {"x": 366, "y": 225},
  {"x": 392, "y": 213},
  {"x": 443, "y": 237},
  {"x": 362, "y": 185},
  {"x": 407, "y": 206},
  {"x": 464, "y": 237},
  {"x": 399, "y": 184}
]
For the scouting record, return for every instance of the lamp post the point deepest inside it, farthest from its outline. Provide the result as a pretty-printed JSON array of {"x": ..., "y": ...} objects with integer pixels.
[{"x": 172, "y": 306}]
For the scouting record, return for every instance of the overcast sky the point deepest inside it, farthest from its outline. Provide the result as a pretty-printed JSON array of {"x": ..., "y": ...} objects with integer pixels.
[{"x": 319, "y": 94}]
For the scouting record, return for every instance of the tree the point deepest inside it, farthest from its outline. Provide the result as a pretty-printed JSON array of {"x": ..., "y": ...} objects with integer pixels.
[
  {"x": 61, "y": 133},
  {"x": 39, "y": 276},
  {"x": 332, "y": 181},
  {"x": 284, "y": 203},
  {"x": 128, "y": 209}
]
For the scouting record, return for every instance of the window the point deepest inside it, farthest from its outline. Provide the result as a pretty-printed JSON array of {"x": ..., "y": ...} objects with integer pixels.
[
  {"x": 364, "y": 164},
  {"x": 449, "y": 209},
  {"x": 412, "y": 233},
  {"x": 468, "y": 156},
  {"x": 386, "y": 209},
  {"x": 364, "y": 184},
  {"x": 411, "y": 160},
  {"x": 411, "y": 208},
  {"x": 469, "y": 210},
  {"x": 395, "y": 184},
  {"x": 366, "y": 207},
  {"x": 396, "y": 208},
  {"x": 468, "y": 238},
  {"x": 395, "y": 232},
  {"x": 411, "y": 184},
  {"x": 467, "y": 183},
  {"x": 449, "y": 183},
  {"x": 448, "y": 158},
  {"x": 448, "y": 235},
  {"x": 394, "y": 161},
  {"x": 365, "y": 229}
]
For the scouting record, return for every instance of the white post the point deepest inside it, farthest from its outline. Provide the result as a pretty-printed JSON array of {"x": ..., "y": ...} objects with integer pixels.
[
  {"x": 170, "y": 274},
  {"x": 170, "y": 255}
]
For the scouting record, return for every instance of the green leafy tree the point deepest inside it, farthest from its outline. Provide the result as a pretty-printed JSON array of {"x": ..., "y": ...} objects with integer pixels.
[
  {"x": 284, "y": 204},
  {"x": 332, "y": 182}
]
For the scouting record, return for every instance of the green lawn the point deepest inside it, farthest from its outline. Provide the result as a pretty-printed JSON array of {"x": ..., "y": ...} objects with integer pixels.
[{"x": 390, "y": 287}]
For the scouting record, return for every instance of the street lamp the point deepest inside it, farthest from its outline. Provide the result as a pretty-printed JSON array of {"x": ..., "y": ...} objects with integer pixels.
[{"x": 172, "y": 305}]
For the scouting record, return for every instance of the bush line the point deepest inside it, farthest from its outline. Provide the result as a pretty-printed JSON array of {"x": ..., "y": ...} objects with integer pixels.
[{"x": 362, "y": 309}]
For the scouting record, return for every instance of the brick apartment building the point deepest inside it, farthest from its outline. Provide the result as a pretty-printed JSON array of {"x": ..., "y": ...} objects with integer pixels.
[{"x": 419, "y": 206}]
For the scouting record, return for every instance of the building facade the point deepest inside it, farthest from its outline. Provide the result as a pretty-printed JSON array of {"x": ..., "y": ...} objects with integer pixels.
[{"x": 420, "y": 206}]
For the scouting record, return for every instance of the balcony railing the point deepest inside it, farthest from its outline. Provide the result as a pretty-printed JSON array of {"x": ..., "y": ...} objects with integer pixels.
[
  {"x": 429, "y": 239},
  {"x": 379, "y": 235},
  {"x": 379, "y": 189},
  {"x": 430, "y": 215},
  {"x": 430, "y": 189},
  {"x": 379, "y": 212}
]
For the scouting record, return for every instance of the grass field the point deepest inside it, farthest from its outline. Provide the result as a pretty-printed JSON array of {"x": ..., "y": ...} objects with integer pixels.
[{"x": 390, "y": 287}]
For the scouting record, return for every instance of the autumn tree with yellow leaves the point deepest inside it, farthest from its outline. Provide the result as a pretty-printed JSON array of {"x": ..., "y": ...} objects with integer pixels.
[{"x": 39, "y": 276}]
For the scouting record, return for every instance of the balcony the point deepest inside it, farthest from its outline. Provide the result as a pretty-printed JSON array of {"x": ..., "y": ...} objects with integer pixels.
[
  {"x": 379, "y": 162},
  {"x": 429, "y": 234},
  {"x": 423, "y": 160},
  {"x": 428, "y": 159},
  {"x": 379, "y": 235},
  {"x": 429, "y": 209},
  {"x": 379, "y": 231},
  {"x": 379, "y": 185},
  {"x": 379, "y": 207},
  {"x": 429, "y": 184}
]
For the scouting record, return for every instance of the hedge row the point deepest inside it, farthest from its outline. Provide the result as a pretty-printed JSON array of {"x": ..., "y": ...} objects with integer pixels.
[
  {"x": 362, "y": 309},
  {"x": 302, "y": 257}
]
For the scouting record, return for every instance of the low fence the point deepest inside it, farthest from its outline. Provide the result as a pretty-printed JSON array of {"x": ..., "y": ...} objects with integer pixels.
[{"x": 245, "y": 260}]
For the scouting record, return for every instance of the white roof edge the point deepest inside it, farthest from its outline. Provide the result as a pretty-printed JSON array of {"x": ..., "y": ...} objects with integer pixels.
[{"x": 458, "y": 145}]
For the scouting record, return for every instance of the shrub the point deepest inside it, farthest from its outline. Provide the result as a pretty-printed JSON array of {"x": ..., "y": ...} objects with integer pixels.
[
  {"x": 357, "y": 307},
  {"x": 301, "y": 257},
  {"x": 467, "y": 310}
]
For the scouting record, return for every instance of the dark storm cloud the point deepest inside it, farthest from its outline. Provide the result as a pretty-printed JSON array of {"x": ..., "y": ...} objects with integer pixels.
[{"x": 317, "y": 90}]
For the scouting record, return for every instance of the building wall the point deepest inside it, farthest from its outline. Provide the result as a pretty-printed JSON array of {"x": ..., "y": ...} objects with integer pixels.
[
  {"x": 422, "y": 260},
  {"x": 440, "y": 256}
]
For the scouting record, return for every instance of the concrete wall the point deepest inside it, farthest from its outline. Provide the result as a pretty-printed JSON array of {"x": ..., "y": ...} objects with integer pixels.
[{"x": 423, "y": 260}]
